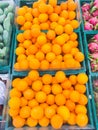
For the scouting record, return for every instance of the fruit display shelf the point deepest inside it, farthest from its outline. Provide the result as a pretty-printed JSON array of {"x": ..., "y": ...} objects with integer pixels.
[{"x": 90, "y": 125}]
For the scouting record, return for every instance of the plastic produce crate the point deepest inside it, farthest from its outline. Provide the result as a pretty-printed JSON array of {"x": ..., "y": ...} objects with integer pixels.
[
  {"x": 87, "y": 37},
  {"x": 6, "y": 60},
  {"x": 82, "y": 21},
  {"x": 69, "y": 71},
  {"x": 95, "y": 115},
  {"x": 90, "y": 125},
  {"x": 20, "y": 3}
]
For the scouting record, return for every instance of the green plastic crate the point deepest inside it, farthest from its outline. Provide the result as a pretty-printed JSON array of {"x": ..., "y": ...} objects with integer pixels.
[
  {"x": 82, "y": 21},
  {"x": 90, "y": 125},
  {"x": 91, "y": 79},
  {"x": 70, "y": 71},
  {"x": 87, "y": 37}
]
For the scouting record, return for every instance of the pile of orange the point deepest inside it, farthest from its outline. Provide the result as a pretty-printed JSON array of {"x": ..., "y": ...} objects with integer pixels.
[
  {"x": 57, "y": 48},
  {"x": 48, "y": 99}
]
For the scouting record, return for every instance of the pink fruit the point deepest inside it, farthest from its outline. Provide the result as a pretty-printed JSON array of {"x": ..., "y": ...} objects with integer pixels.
[
  {"x": 93, "y": 47},
  {"x": 88, "y": 26},
  {"x": 86, "y": 15},
  {"x": 86, "y": 7},
  {"x": 93, "y": 20}
]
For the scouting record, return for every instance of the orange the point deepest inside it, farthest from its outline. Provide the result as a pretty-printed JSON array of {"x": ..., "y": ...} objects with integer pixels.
[
  {"x": 61, "y": 21},
  {"x": 51, "y": 34},
  {"x": 50, "y": 99},
  {"x": 32, "y": 49},
  {"x": 23, "y": 101},
  {"x": 80, "y": 88},
  {"x": 42, "y": 7},
  {"x": 34, "y": 63},
  {"x": 28, "y": 94},
  {"x": 73, "y": 36},
  {"x": 60, "y": 99},
  {"x": 18, "y": 122},
  {"x": 82, "y": 78},
  {"x": 35, "y": 21},
  {"x": 60, "y": 40},
  {"x": 60, "y": 76},
  {"x": 56, "y": 121},
  {"x": 64, "y": 14},
  {"x": 33, "y": 75},
  {"x": 74, "y": 50},
  {"x": 71, "y": 15},
  {"x": 37, "y": 85},
  {"x": 74, "y": 23},
  {"x": 20, "y": 37},
  {"x": 24, "y": 64},
  {"x": 66, "y": 48},
  {"x": 27, "y": 43},
  {"x": 41, "y": 39},
  {"x": 53, "y": 2},
  {"x": 50, "y": 56},
  {"x": 44, "y": 122},
  {"x": 66, "y": 93},
  {"x": 67, "y": 56},
  {"x": 70, "y": 63},
  {"x": 15, "y": 93},
  {"x": 14, "y": 82},
  {"x": 27, "y": 25},
  {"x": 66, "y": 36},
  {"x": 28, "y": 17},
  {"x": 64, "y": 112},
  {"x": 40, "y": 55},
  {"x": 22, "y": 85},
  {"x": 83, "y": 99},
  {"x": 20, "y": 50},
  {"x": 68, "y": 29},
  {"x": 28, "y": 80},
  {"x": 35, "y": 4},
  {"x": 21, "y": 57},
  {"x": 82, "y": 120},
  {"x": 59, "y": 29},
  {"x": 59, "y": 57},
  {"x": 30, "y": 56},
  {"x": 20, "y": 20},
  {"x": 46, "y": 48},
  {"x": 46, "y": 89},
  {"x": 27, "y": 34},
  {"x": 49, "y": 112},
  {"x": 50, "y": 9},
  {"x": 43, "y": 17},
  {"x": 55, "y": 64},
  {"x": 14, "y": 102},
  {"x": 29, "y": 10},
  {"x": 37, "y": 112},
  {"x": 71, "y": 5},
  {"x": 79, "y": 56},
  {"x": 63, "y": 5},
  {"x": 25, "y": 112},
  {"x": 13, "y": 112},
  {"x": 40, "y": 96},
  {"x": 70, "y": 105},
  {"x": 77, "y": 65},
  {"x": 44, "y": 105},
  {"x": 54, "y": 106},
  {"x": 47, "y": 79},
  {"x": 44, "y": 65},
  {"x": 44, "y": 26},
  {"x": 16, "y": 66},
  {"x": 35, "y": 12},
  {"x": 57, "y": 9},
  {"x": 35, "y": 31},
  {"x": 53, "y": 25},
  {"x": 31, "y": 122},
  {"x": 32, "y": 103},
  {"x": 80, "y": 109},
  {"x": 73, "y": 79},
  {"x": 56, "y": 89},
  {"x": 75, "y": 96},
  {"x": 21, "y": 11},
  {"x": 53, "y": 17},
  {"x": 72, "y": 119}
]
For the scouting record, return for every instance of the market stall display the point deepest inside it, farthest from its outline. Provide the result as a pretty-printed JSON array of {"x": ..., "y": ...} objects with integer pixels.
[{"x": 51, "y": 53}]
